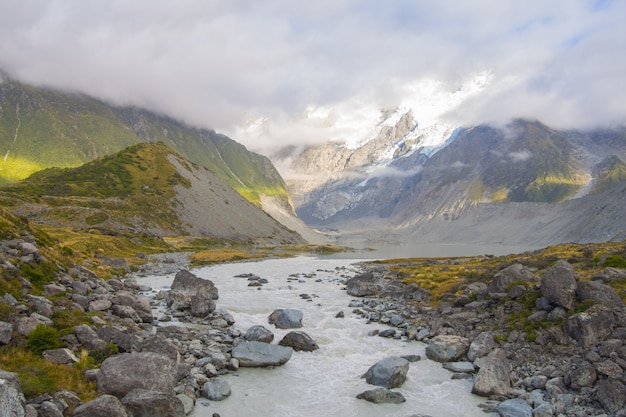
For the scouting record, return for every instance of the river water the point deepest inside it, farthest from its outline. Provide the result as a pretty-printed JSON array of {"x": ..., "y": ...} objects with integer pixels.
[{"x": 324, "y": 382}]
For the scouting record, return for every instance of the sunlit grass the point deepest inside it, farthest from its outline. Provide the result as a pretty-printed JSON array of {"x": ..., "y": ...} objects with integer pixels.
[{"x": 15, "y": 169}]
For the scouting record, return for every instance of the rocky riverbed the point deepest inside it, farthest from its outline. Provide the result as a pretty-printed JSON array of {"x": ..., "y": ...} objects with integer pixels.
[{"x": 573, "y": 364}]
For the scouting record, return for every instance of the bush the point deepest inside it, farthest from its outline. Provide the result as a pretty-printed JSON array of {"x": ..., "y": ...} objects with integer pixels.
[
  {"x": 43, "y": 338},
  {"x": 615, "y": 261}
]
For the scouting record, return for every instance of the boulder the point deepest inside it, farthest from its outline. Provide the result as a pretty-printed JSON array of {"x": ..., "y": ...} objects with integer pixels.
[
  {"x": 26, "y": 325},
  {"x": 216, "y": 389},
  {"x": 49, "y": 409},
  {"x": 187, "y": 285},
  {"x": 120, "y": 374},
  {"x": 389, "y": 372},
  {"x": 481, "y": 346},
  {"x": 503, "y": 279},
  {"x": 447, "y": 348},
  {"x": 125, "y": 339},
  {"x": 157, "y": 343},
  {"x": 126, "y": 312},
  {"x": 494, "y": 376},
  {"x": 139, "y": 304},
  {"x": 599, "y": 294},
  {"x": 88, "y": 337},
  {"x": 299, "y": 341},
  {"x": 558, "y": 285},
  {"x": 145, "y": 403},
  {"x": 6, "y": 332},
  {"x": 259, "y": 354},
  {"x": 591, "y": 326},
  {"x": 460, "y": 367},
  {"x": 202, "y": 304},
  {"x": 363, "y": 285},
  {"x": 286, "y": 318},
  {"x": 515, "y": 407},
  {"x": 99, "y": 305},
  {"x": 62, "y": 356},
  {"x": 11, "y": 397},
  {"x": 382, "y": 396},
  {"x": 259, "y": 334},
  {"x": 611, "y": 394},
  {"x": 103, "y": 406}
]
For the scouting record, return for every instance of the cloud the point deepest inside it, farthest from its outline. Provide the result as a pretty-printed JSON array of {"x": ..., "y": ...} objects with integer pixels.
[
  {"x": 278, "y": 72},
  {"x": 520, "y": 156}
]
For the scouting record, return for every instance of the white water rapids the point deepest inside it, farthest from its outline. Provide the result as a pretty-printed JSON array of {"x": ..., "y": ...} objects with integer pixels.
[{"x": 326, "y": 381}]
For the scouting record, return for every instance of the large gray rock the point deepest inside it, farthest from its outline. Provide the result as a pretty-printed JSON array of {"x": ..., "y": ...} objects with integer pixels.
[
  {"x": 11, "y": 397},
  {"x": 299, "y": 341},
  {"x": 599, "y": 294},
  {"x": 389, "y": 372},
  {"x": 6, "y": 332},
  {"x": 259, "y": 354},
  {"x": 591, "y": 326},
  {"x": 160, "y": 344},
  {"x": 481, "y": 346},
  {"x": 62, "y": 356},
  {"x": 26, "y": 325},
  {"x": 126, "y": 312},
  {"x": 139, "y": 304},
  {"x": 584, "y": 375},
  {"x": 88, "y": 337},
  {"x": 503, "y": 279},
  {"x": 382, "y": 396},
  {"x": 145, "y": 403},
  {"x": 49, "y": 409},
  {"x": 286, "y": 318},
  {"x": 216, "y": 389},
  {"x": 186, "y": 286},
  {"x": 103, "y": 406},
  {"x": 514, "y": 408},
  {"x": 363, "y": 285},
  {"x": 494, "y": 376},
  {"x": 126, "y": 339},
  {"x": 120, "y": 374},
  {"x": 259, "y": 334},
  {"x": 447, "y": 348},
  {"x": 202, "y": 304},
  {"x": 558, "y": 285},
  {"x": 611, "y": 394}
]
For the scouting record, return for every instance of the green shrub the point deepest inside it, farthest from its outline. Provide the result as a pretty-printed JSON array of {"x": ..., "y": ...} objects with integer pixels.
[
  {"x": 43, "y": 338},
  {"x": 615, "y": 261}
]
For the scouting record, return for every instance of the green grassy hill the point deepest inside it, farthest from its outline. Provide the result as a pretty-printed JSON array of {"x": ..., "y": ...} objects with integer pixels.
[{"x": 41, "y": 128}]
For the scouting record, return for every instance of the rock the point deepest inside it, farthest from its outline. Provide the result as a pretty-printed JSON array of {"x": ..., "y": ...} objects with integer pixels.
[
  {"x": 611, "y": 394},
  {"x": 202, "y": 304},
  {"x": 558, "y": 285},
  {"x": 99, "y": 305},
  {"x": 259, "y": 354},
  {"x": 6, "y": 332},
  {"x": 88, "y": 337},
  {"x": 389, "y": 373},
  {"x": 259, "y": 334},
  {"x": 26, "y": 325},
  {"x": 514, "y": 408},
  {"x": 187, "y": 402},
  {"x": 299, "y": 341},
  {"x": 460, "y": 367},
  {"x": 126, "y": 312},
  {"x": 125, "y": 339},
  {"x": 382, "y": 396},
  {"x": 363, "y": 285},
  {"x": 286, "y": 318},
  {"x": 160, "y": 344},
  {"x": 145, "y": 403},
  {"x": 591, "y": 326},
  {"x": 609, "y": 369},
  {"x": 61, "y": 356},
  {"x": 481, "y": 346},
  {"x": 216, "y": 389},
  {"x": 11, "y": 397},
  {"x": 447, "y": 348},
  {"x": 68, "y": 398},
  {"x": 599, "y": 294},
  {"x": 387, "y": 333},
  {"x": 122, "y": 373},
  {"x": 503, "y": 279},
  {"x": 139, "y": 304},
  {"x": 103, "y": 406},
  {"x": 187, "y": 285},
  {"x": 494, "y": 376},
  {"x": 543, "y": 410},
  {"x": 49, "y": 409}
]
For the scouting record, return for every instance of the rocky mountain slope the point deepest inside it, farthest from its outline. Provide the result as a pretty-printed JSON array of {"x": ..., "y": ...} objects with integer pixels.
[
  {"x": 522, "y": 184},
  {"x": 147, "y": 189}
]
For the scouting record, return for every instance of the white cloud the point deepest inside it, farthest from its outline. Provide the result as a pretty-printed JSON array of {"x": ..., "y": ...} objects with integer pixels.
[{"x": 520, "y": 156}]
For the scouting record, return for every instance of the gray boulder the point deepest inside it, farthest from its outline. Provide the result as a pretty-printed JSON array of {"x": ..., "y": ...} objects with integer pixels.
[
  {"x": 494, "y": 376},
  {"x": 103, "y": 406},
  {"x": 99, "y": 305},
  {"x": 447, "y": 348},
  {"x": 599, "y": 294},
  {"x": 382, "y": 396},
  {"x": 202, "y": 304},
  {"x": 481, "y": 346},
  {"x": 259, "y": 354},
  {"x": 62, "y": 356},
  {"x": 120, "y": 374},
  {"x": 145, "y": 403},
  {"x": 514, "y": 408},
  {"x": 299, "y": 341},
  {"x": 216, "y": 389},
  {"x": 139, "y": 304},
  {"x": 6, "y": 332},
  {"x": 126, "y": 312},
  {"x": 259, "y": 334},
  {"x": 591, "y": 326},
  {"x": 389, "y": 372},
  {"x": 286, "y": 318},
  {"x": 460, "y": 367},
  {"x": 584, "y": 375},
  {"x": 558, "y": 285},
  {"x": 187, "y": 285},
  {"x": 363, "y": 285},
  {"x": 11, "y": 397},
  {"x": 89, "y": 338},
  {"x": 157, "y": 343},
  {"x": 26, "y": 325},
  {"x": 503, "y": 279},
  {"x": 611, "y": 394}
]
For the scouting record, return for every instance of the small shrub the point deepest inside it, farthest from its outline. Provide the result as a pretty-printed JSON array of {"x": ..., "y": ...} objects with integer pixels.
[
  {"x": 615, "y": 261},
  {"x": 43, "y": 338}
]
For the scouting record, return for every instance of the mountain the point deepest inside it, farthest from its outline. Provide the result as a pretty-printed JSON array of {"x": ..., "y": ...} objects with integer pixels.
[
  {"x": 443, "y": 183},
  {"x": 42, "y": 128},
  {"x": 147, "y": 189}
]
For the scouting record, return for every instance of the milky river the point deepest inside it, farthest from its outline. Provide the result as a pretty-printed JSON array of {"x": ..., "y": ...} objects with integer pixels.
[{"x": 324, "y": 382}]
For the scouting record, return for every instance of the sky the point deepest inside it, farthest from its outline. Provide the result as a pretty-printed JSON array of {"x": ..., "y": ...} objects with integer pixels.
[{"x": 277, "y": 72}]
